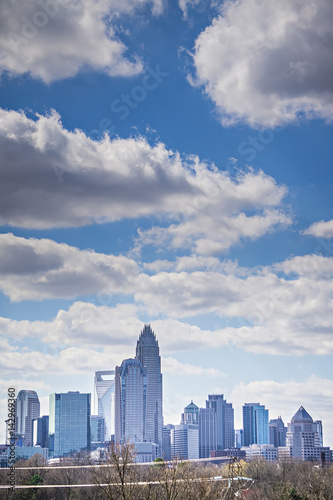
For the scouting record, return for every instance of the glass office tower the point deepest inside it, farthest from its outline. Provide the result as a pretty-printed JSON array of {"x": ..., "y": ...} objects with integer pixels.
[
  {"x": 255, "y": 424},
  {"x": 27, "y": 410},
  {"x": 104, "y": 400},
  {"x": 131, "y": 399},
  {"x": 147, "y": 352},
  {"x": 69, "y": 423}
]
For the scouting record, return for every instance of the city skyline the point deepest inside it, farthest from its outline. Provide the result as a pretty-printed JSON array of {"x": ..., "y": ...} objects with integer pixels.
[
  {"x": 169, "y": 162},
  {"x": 128, "y": 400}
]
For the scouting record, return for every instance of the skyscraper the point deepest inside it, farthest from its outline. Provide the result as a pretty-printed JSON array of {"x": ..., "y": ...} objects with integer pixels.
[
  {"x": 207, "y": 431},
  {"x": 27, "y": 409},
  {"x": 130, "y": 402},
  {"x": 97, "y": 430},
  {"x": 104, "y": 400},
  {"x": 255, "y": 424},
  {"x": 147, "y": 352},
  {"x": 41, "y": 432},
  {"x": 304, "y": 438},
  {"x": 225, "y": 430},
  {"x": 277, "y": 432},
  {"x": 166, "y": 442},
  {"x": 69, "y": 423},
  {"x": 239, "y": 438}
]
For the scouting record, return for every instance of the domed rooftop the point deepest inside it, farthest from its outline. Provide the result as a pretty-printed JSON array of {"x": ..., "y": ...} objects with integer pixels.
[{"x": 191, "y": 408}]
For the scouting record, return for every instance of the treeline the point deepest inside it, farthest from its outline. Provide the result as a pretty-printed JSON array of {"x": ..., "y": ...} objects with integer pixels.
[{"x": 121, "y": 479}]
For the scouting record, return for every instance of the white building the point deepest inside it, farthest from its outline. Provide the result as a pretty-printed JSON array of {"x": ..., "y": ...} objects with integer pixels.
[
  {"x": 185, "y": 441},
  {"x": 267, "y": 451},
  {"x": 104, "y": 405},
  {"x": 304, "y": 438}
]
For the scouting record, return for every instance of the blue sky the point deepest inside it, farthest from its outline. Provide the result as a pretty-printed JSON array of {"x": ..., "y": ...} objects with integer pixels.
[{"x": 171, "y": 163}]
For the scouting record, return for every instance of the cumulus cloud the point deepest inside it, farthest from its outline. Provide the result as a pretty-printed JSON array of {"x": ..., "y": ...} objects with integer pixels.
[
  {"x": 32, "y": 269},
  {"x": 278, "y": 310},
  {"x": 268, "y": 63},
  {"x": 172, "y": 365},
  {"x": 284, "y": 399},
  {"x": 208, "y": 233},
  {"x": 56, "y": 178},
  {"x": 284, "y": 309},
  {"x": 56, "y": 39},
  {"x": 320, "y": 229}
]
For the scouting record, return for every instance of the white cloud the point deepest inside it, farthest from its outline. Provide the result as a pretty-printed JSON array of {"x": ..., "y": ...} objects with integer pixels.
[
  {"x": 186, "y": 5},
  {"x": 173, "y": 366},
  {"x": 56, "y": 39},
  {"x": 274, "y": 314},
  {"x": 309, "y": 266},
  {"x": 19, "y": 383},
  {"x": 35, "y": 269},
  {"x": 56, "y": 178},
  {"x": 268, "y": 63},
  {"x": 69, "y": 361},
  {"x": 211, "y": 233},
  {"x": 320, "y": 229},
  {"x": 284, "y": 399},
  {"x": 285, "y": 308}
]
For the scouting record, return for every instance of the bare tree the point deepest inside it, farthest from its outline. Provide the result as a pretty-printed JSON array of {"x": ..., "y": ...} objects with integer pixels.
[{"x": 118, "y": 480}]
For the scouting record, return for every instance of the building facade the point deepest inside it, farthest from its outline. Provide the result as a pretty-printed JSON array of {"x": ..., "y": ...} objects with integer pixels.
[
  {"x": 304, "y": 438},
  {"x": 239, "y": 438},
  {"x": 27, "y": 409},
  {"x": 166, "y": 441},
  {"x": 255, "y": 424},
  {"x": 277, "y": 432},
  {"x": 97, "y": 431},
  {"x": 185, "y": 441},
  {"x": 147, "y": 352},
  {"x": 267, "y": 451},
  {"x": 104, "y": 400},
  {"x": 207, "y": 432},
  {"x": 225, "y": 430},
  {"x": 69, "y": 423},
  {"x": 131, "y": 402},
  {"x": 40, "y": 432}
]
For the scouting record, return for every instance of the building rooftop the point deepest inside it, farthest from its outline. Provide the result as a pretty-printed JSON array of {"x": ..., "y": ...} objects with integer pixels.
[{"x": 301, "y": 415}]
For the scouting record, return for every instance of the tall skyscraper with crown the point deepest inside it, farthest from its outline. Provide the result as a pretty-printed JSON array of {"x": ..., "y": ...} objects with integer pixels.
[{"x": 147, "y": 352}]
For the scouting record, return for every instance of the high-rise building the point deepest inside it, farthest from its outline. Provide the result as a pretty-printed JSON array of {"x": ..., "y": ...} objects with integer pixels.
[
  {"x": 130, "y": 402},
  {"x": 147, "y": 352},
  {"x": 304, "y": 438},
  {"x": 104, "y": 402},
  {"x": 277, "y": 432},
  {"x": 69, "y": 423},
  {"x": 97, "y": 431},
  {"x": 40, "y": 432},
  {"x": 225, "y": 430},
  {"x": 239, "y": 438},
  {"x": 185, "y": 441},
  {"x": 255, "y": 424},
  {"x": 207, "y": 431},
  {"x": 166, "y": 441},
  {"x": 319, "y": 425},
  {"x": 27, "y": 409}
]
